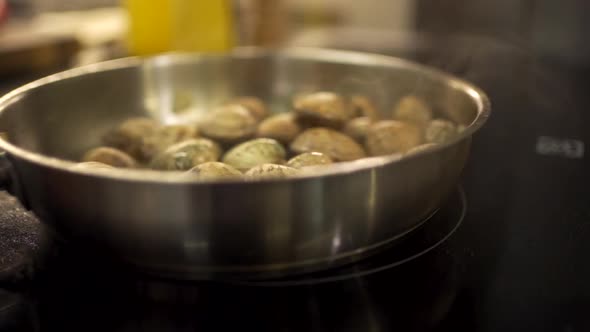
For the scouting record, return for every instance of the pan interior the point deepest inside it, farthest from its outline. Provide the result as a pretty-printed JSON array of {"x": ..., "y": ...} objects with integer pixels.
[{"x": 65, "y": 115}]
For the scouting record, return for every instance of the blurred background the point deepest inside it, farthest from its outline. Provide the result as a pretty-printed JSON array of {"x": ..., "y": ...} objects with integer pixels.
[
  {"x": 469, "y": 38},
  {"x": 527, "y": 198}
]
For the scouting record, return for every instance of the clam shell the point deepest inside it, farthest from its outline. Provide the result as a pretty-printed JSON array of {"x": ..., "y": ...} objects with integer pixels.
[
  {"x": 229, "y": 124},
  {"x": 214, "y": 170},
  {"x": 270, "y": 171},
  {"x": 166, "y": 136},
  {"x": 413, "y": 110},
  {"x": 440, "y": 131},
  {"x": 109, "y": 156},
  {"x": 357, "y": 128},
  {"x": 322, "y": 109},
  {"x": 363, "y": 107},
  {"x": 255, "y": 152},
  {"x": 130, "y": 135},
  {"x": 254, "y": 105},
  {"x": 281, "y": 127},
  {"x": 309, "y": 159},
  {"x": 185, "y": 155},
  {"x": 332, "y": 143},
  {"x": 390, "y": 136}
]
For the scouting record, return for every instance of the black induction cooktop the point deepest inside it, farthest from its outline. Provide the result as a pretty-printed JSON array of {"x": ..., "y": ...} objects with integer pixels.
[{"x": 510, "y": 251}]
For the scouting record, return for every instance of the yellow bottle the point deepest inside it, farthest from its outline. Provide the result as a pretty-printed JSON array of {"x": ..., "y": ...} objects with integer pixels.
[
  {"x": 179, "y": 25},
  {"x": 149, "y": 26},
  {"x": 202, "y": 25}
]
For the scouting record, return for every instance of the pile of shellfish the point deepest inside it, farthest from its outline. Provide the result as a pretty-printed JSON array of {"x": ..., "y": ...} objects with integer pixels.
[{"x": 243, "y": 139}]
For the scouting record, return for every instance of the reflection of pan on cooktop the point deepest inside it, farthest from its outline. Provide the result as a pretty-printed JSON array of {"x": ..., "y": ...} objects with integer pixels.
[
  {"x": 409, "y": 286},
  {"x": 436, "y": 231}
]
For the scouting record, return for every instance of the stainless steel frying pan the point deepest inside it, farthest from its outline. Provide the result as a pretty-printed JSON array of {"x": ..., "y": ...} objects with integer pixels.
[{"x": 174, "y": 227}]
